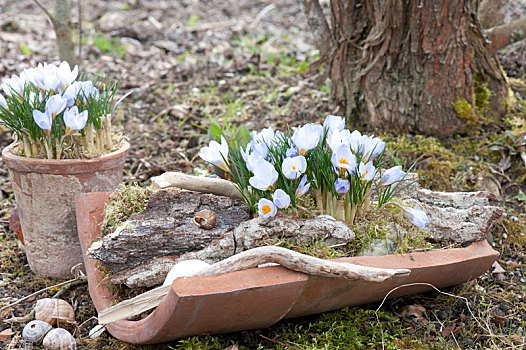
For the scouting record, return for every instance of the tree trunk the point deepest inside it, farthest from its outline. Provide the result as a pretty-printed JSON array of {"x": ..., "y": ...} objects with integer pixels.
[{"x": 403, "y": 64}]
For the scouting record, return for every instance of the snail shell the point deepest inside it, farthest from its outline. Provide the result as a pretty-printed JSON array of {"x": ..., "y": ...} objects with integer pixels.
[
  {"x": 205, "y": 219},
  {"x": 50, "y": 310},
  {"x": 59, "y": 339},
  {"x": 35, "y": 330}
]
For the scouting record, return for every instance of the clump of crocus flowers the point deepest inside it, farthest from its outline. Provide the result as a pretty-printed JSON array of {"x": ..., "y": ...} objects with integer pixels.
[
  {"x": 342, "y": 170},
  {"x": 54, "y": 115}
]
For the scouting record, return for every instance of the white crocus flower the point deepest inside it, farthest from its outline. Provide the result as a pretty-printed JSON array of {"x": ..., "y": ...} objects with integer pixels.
[
  {"x": 266, "y": 208},
  {"x": 355, "y": 141},
  {"x": 391, "y": 176},
  {"x": 416, "y": 216},
  {"x": 343, "y": 158},
  {"x": 303, "y": 187},
  {"x": 43, "y": 120},
  {"x": 55, "y": 105},
  {"x": 366, "y": 171},
  {"x": 371, "y": 147},
  {"x": 307, "y": 137},
  {"x": 216, "y": 153},
  {"x": 293, "y": 167},
  {"x": 15, "y": 84},
  {"x": 333, "y": 123},
  {"x": 264, "y": 176},
  {"x": 74, "y": 120},
  {"x": 281, "y": 199},
  {"x": 338, "y": 138},
  {"x": 252, "y": 160},
  {"x": 71, "y": 93},
  {"x": 3, "y": 102},
  {"x": 65, "y": 75},
  {"x": 46, "y": 78},
  {"x": 266, "y": 135}
]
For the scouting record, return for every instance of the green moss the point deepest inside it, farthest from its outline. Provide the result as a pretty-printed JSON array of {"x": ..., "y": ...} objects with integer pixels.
[
  {"x": 127, "y": 200},
  {"x": 481, "y": 95},
  {"x": 387, "y": 224},
  {"x": 468, "y": 114},
  {"x": 516, "y": 231}
]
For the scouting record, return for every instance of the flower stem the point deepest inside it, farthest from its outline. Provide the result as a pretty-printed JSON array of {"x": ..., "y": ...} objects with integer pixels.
[
  {"x": 27, "y": 147},
  {"x": 107, "y": 133},
  {"x": 99, "y": 139}
]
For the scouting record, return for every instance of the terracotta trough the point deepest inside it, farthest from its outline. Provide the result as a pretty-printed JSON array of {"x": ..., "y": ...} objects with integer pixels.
[{"x": 259, "y": 297}]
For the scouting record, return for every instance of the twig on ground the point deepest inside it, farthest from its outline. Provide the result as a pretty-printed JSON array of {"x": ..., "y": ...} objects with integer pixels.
[{"x": 41, "y": 291}]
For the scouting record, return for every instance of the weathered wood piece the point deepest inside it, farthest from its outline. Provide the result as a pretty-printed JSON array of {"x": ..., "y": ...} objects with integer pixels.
[
  {"x": 216, "y": 186},
  {"x": 249, "y": 234},
  {"x": 166, "y": 228},
  {"x": 252, "y": 258}
]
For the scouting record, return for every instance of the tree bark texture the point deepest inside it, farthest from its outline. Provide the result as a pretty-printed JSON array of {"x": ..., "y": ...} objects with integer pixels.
[
  {"x": 167, "y": 228},
  {"x": 62, "y": 25},
  {"x": 403, "y": 64}
]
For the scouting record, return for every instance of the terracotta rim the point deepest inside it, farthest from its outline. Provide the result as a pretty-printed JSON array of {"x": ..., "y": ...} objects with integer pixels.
[{"x": 64, "y": 166}]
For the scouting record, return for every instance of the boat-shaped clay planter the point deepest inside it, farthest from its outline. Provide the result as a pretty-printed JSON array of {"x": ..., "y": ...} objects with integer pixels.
[{"x": 259, "y": 297}]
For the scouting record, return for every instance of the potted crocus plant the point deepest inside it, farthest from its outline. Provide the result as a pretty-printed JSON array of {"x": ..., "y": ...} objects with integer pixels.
[
  {"x": 64, "y": 145},
  {"x": 341, "y": 170}
]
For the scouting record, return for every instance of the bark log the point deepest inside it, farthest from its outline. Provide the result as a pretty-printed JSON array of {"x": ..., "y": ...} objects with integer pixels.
[
  {"x": 249, "y": 234},
  {"x": 252, "y": 258},
  {"x": 166, "y": 227},
  {"x": 403, "y": 64}
]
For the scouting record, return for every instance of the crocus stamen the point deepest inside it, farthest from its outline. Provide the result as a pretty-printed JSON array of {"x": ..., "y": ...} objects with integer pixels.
[
  {"x": 343, "y": 161},
  {"x": 266, "y": 209}
]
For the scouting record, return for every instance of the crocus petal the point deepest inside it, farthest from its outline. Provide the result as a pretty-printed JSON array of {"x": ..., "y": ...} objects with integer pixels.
[
  {"x": 55, "y": 105},
  {"x": 3, "y": 102},
  {"x": 264, "y": 175},
  {"x": 416, "y": 216},
  {"x": 292, "y": 168},
  {"x": 307, "y": 137},
  {"x": 266, "y": 208},
  {"x": 367, "y": 171},
  {"x": 303, "y": 187},
  {"x": 281, "y": 199},
  {"x": 216, "y": 154},
  {"x": 391, "y": 176},
  {"x": 342, "y": 186},
  {"x": 333, "y": 123},
  {"x": 42, "y": 119}
]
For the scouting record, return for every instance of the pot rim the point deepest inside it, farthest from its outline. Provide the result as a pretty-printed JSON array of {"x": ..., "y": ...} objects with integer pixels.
[{"x": 64, "y": 166}]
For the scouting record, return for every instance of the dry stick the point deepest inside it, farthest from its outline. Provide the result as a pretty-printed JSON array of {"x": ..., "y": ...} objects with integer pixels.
[
  {"x": 40, "y": 291},
  {"x": 251, "y": 258},
  {"x": 194, "y": 183}
]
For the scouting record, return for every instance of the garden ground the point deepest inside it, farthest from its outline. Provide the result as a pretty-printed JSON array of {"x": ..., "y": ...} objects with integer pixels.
[{"x": 196, "y": 63}]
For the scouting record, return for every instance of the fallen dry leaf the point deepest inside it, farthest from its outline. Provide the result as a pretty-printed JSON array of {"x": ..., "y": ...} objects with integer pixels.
[
  {"x": 6, "y": 334},
  {"x": 450, "y": 329}
]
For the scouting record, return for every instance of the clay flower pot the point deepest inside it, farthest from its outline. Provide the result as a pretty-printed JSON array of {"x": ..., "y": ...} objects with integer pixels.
[
  {"x": 259, "y": 297},
  {"x": 45, "y": 192}
]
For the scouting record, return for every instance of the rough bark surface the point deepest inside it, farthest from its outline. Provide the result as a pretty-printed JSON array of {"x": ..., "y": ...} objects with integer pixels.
[
  {"x": 166, "y": 228},
  {"x": 403, "y": 64},
  {"x": 459, "y": 217},
  {"x": 249, "y": 234}
]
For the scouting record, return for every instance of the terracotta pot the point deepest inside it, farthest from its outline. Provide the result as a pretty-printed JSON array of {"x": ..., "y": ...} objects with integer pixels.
[
  {"x": 260, "y": 297},
  {"x": 45, "y": 193}
]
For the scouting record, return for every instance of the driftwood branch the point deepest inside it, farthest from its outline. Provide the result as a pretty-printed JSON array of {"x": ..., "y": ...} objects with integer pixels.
[
  {"x": 216, "y": 186},
  {"x": 507, "y": 34},
  {"x": 251, "y": 258},
  {"x": 318, "y": 26}
]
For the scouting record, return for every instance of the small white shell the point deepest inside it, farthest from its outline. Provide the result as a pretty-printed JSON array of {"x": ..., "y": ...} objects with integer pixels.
[
  {"x": 59, "y": 339},
  {"x": 35, "y": 330},
  {"x": 50, "y": 310}
]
